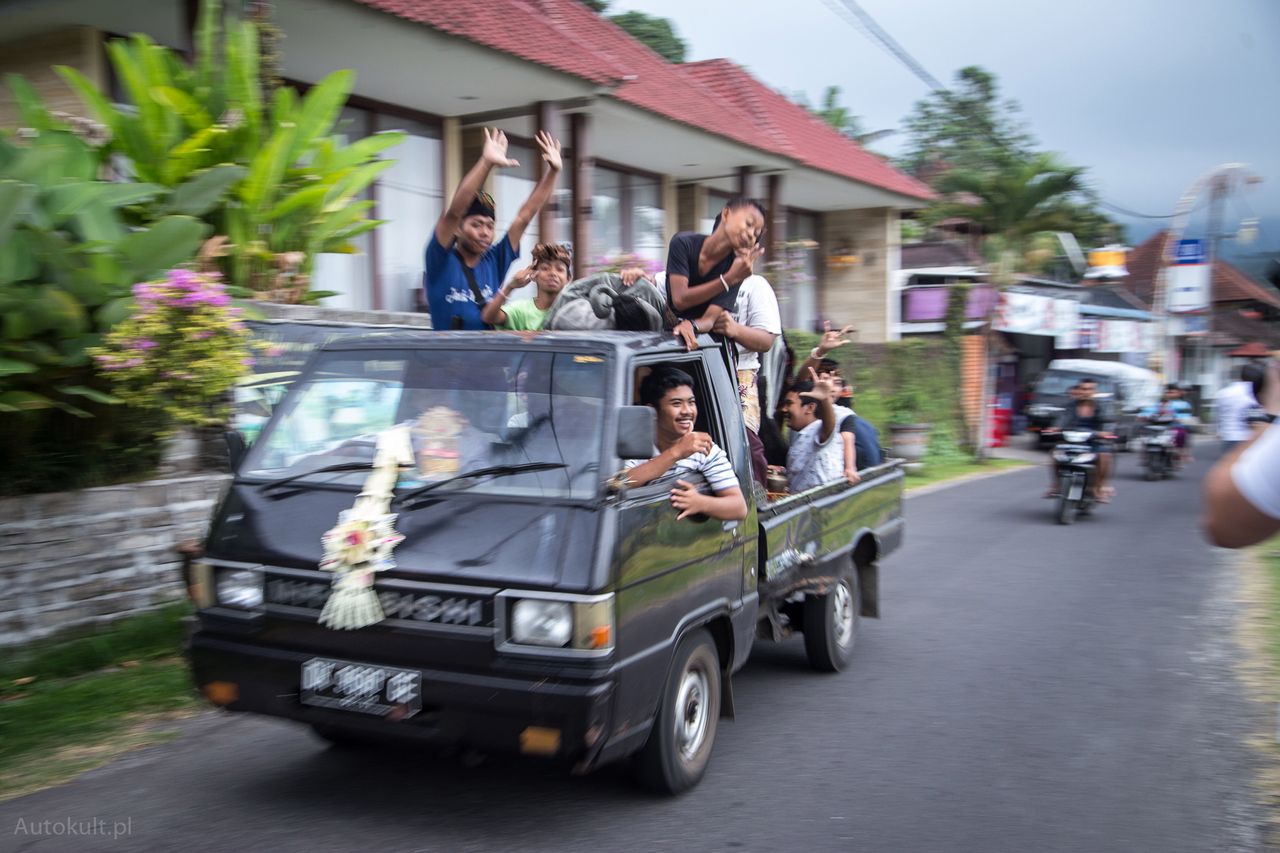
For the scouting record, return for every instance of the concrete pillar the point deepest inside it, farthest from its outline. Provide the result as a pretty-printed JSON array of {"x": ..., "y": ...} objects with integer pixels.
[
  {"x": 690, "y": 201},
  {"x": 776, "y": 223},
  {"x": 451, "y": 156},
  {"x": 583, "y": 163},
  {"x": 545, "y": 120},
  {"x": 670, "y": 208},
  {"x": 858, "y": 254}
]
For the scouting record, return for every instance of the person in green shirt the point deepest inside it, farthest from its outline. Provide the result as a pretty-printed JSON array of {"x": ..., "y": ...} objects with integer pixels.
[{"x": 551, "y": 263}]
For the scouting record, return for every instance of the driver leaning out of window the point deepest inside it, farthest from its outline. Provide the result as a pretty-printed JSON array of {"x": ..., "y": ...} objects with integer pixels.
[{"x": 670, "y": 392}]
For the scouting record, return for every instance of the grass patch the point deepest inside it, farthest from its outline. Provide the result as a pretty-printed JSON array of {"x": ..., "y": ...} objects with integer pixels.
[
  {"x": 952, "y": 469},
  {"x": 66, "y": 707},
  {"x": 155, "y": 634}
]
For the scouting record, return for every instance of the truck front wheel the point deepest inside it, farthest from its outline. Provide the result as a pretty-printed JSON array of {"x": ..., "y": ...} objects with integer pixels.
[
  {"x": 831, "y": 625},
  {"x": 675, "y": 757}
]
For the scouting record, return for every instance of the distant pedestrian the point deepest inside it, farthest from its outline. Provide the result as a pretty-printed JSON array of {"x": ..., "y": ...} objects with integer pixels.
[{"x": 1233, "y": 404}]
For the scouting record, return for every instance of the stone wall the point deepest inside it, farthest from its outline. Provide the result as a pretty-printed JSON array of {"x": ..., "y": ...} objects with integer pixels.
[{"x": 75, "y": 559}]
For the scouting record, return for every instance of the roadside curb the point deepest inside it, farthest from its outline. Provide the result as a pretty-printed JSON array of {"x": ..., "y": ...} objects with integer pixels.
[{"x": 929, "y": 489}]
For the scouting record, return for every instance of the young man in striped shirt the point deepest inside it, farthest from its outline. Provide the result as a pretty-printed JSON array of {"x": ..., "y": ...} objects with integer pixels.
[{"x": 681, "y": 449}]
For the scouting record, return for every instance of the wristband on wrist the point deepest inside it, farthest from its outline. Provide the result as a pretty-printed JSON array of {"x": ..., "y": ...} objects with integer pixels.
[
  {"x": 725, "y": 283},
  {"x": 813, "y": 353}
]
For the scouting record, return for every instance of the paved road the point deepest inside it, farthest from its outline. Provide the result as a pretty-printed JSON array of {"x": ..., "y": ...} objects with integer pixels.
[{"x": 1030, "y": 688}]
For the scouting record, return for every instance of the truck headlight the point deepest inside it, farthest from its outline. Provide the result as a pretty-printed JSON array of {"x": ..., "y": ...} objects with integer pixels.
[
  {"x": 239, "y": 588},
  {"x": 574, "y": 623},
  {"x": 539, "y": 622}
]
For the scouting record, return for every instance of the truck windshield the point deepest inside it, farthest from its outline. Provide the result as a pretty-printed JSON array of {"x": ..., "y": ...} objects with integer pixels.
[{"x": 464, "y": 410}]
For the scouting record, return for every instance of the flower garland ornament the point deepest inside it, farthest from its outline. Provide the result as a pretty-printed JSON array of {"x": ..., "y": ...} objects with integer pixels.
[{"x": 363, "y": 539}]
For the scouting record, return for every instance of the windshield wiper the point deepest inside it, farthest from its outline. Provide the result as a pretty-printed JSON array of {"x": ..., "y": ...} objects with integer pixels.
[
  {"x": 495, "y": 471},
  {"x": 327, "y": 469}
]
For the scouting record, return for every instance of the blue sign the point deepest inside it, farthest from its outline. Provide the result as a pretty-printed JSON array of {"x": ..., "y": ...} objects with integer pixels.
[{"x": 1190, "y": 252}]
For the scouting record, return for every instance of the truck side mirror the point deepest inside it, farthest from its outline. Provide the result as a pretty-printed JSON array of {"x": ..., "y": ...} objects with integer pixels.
[{"x": 636, "y": 428}]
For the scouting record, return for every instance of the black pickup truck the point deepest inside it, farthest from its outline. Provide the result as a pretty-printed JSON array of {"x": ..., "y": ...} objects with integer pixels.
[{"x": 537, "y": 604}]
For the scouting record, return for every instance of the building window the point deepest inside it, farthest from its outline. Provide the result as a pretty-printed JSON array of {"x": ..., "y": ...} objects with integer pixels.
[
  {"x": 410, "y": 199},
  {"x": 349, "y": 276},
  {"x": 627, "y": 216},
  {"x": 714, "y": 203},
  {"x": 798, "y": 299}
]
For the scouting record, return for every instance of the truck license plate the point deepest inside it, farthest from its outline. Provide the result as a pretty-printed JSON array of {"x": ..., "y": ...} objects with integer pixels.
[{"x": 359, "y": 687}]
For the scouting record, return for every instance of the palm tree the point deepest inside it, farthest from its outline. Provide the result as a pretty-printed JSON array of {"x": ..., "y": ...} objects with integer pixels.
[{"x": 1011, "y": 204}]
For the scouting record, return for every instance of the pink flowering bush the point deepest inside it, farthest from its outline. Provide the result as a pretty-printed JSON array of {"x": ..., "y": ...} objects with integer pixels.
[
  {"x": 180, "y": 351},
  {"x": 619, "y": 261}
]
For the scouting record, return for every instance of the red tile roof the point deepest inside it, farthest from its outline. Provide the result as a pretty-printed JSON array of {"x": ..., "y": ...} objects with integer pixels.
[
  {"x": 800, "y": 133},
  {"x": 1229, "y": 283},
  {"x": 716, "y": 96}
]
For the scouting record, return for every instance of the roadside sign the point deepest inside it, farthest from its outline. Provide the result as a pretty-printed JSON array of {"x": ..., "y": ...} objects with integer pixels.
[
  {"x": 1190, "y": 252},
  {"x": 1188, "y": 278}
]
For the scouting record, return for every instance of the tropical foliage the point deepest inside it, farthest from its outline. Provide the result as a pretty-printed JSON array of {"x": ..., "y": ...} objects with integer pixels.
[
  {"x": 269, "y": 175},
  {"x": 67, "y": 260},
  {"x": 1011, "y": 205}
]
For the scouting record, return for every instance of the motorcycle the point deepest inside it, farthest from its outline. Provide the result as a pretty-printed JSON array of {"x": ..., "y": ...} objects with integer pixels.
[
  {"x": 1075, "y": 462},
  {"x": 1159, "y": 454}
]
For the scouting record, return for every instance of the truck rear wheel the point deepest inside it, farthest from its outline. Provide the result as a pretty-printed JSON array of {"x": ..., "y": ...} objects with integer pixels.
[
  {"x": 676, "y": 755},
  {"x": 831, "y": 625}
]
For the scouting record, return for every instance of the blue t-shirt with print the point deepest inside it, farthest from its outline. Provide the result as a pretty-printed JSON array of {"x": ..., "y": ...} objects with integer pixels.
[{"x": 448, "y": 292}]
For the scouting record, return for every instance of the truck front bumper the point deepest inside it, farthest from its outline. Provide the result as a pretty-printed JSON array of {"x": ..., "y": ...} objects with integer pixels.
[{"x": 548, "y": 717}]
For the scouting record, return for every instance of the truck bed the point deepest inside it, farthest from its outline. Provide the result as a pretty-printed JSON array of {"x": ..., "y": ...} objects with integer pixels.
[{"x": 810, "y": 536}]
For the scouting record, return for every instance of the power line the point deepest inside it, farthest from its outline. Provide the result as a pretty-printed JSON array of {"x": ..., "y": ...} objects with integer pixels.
[
  {"x": 1115, "y": 208},
  {"x": 856, "y": 15},
  {"x": 868, "y": 26}
]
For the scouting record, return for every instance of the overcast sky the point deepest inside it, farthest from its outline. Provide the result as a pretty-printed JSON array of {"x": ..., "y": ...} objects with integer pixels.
[{"x": 1147, "y": 94}]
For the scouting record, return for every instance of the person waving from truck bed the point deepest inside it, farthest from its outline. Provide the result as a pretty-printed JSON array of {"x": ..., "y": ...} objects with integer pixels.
[{"x": 670, "y": 392}]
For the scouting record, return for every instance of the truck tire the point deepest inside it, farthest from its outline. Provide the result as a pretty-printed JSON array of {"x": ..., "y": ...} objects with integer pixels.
[
  {"x": 675, "y": 756},
  {"x": 831, "y": 625}
]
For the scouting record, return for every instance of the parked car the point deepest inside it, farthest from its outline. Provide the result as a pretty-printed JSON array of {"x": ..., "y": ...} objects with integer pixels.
[{"x": 545, "y": 607}]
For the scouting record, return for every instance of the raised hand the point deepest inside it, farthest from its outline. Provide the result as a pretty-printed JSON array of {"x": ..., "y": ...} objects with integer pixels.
[
  {"x": 744, "y": 261},
  {"x": 687, "y": 499},
  {"x": 824, "y": 385},
  {"x": 550, "y": 150},
  {"x": 691, "y": 443},
  {"x": 519, "y": 280},
  {"x": 495, "y": 149},
  {"x": 832, "y": 339}
]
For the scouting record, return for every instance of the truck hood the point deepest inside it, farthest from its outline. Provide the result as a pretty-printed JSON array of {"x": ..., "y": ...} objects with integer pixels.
[{"x": 461, "y": 538}]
